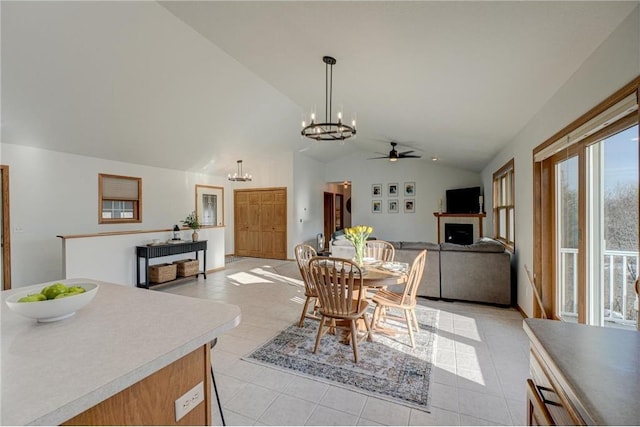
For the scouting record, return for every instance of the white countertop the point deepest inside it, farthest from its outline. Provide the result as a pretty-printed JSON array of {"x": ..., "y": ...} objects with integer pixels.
[
  {"x": 599, "y": 367},
  {"x": 54, "y": 371}
]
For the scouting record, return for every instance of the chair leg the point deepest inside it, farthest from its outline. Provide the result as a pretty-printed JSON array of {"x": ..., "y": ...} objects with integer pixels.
[
  {"x": 215, "y": 388},
  {"x": 316, "y": 306},
  {"x": 415, "y": 319},
  {"x": 320, "y": 327},
  {"x": 409, "y": 319},
  {"x": 376, "y": 314},
  {"x": 368, "y": 326},
  {"x": 354, "y": 339},
  {"x": 304, "y": 312}
]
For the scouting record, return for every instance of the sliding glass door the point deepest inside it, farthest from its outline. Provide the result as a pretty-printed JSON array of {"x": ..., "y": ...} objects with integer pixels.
[
  {"x": 567, "y": 239},
  {"x": 612, "y": 214},
  {"x": 596, "y": 230}
]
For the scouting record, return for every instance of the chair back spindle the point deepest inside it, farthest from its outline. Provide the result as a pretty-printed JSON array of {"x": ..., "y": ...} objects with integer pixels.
[{"x": 381, "y": 250}]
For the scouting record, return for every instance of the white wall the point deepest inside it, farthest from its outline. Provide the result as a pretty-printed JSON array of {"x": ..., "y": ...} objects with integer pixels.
[
  {"x": 56, "y": 193},
  {"x": 308, "y": 213},
  {"x": 110, "y": 258},
  {"x": 432, "y": 180},
  {"x": 615, "y": 63}
]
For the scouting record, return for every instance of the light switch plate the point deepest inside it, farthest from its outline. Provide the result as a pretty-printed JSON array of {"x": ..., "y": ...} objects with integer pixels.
[{"x": 189, "y": 400}]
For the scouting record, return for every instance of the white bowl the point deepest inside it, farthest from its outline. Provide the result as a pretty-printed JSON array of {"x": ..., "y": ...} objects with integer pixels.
[{"x": 54, "y": 309}]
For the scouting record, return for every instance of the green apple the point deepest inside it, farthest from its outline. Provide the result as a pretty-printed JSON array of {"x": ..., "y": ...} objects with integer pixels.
[
  {"x": 67, "y": 294},
  {"x": 33, "y": 298},
  {"x": 56, "y": 289},
  {"x": 77, "y": 289}
]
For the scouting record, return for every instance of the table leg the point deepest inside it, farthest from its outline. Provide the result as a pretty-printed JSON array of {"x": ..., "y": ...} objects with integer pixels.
[
  {"x": 146, "y": 272},
  {"x": 204, "y": 264}
]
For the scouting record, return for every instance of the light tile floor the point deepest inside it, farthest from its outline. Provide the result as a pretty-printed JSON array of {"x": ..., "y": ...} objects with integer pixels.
[{"x": 481, "y": 361}]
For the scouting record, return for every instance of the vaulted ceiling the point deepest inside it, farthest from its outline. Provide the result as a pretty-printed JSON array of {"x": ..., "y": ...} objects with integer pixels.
[{"x": 193, "y": 85}]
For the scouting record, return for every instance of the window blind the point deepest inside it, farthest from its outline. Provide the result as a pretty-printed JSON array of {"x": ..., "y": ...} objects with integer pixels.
[
  {"x": 119, "y": 188},
  {"x": 621, "y": 109}
]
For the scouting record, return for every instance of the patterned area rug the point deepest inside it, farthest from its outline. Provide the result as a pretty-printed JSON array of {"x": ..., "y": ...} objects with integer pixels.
[{"x": 388, "y": 367}]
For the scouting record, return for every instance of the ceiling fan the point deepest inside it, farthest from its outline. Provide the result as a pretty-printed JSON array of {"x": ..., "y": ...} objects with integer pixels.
[{"x": 394, "y": 155}]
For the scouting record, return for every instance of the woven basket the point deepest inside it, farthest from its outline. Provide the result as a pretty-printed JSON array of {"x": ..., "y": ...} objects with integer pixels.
[
  {"x": 161, "y": 273},
  {"x": 187, "y": 267}
]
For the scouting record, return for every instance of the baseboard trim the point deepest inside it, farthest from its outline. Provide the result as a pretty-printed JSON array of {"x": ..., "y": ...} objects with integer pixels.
[{"x": 522, "y": 313}]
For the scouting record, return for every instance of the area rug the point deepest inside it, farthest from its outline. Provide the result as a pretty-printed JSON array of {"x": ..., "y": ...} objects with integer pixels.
[{"x": 388, "y": 367}]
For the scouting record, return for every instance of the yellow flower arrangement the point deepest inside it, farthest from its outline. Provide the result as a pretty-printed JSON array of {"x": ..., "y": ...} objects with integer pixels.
[{"x": 358, "y": 236}]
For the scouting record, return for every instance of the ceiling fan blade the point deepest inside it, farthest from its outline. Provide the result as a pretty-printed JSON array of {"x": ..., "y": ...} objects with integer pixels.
[
  {"x": 404, "y": 153},
  {"x": 372, "y": 158},
  {"x": 410, "y": 157}
]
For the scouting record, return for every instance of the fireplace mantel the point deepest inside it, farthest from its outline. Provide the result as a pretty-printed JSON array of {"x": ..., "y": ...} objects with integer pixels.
[{"x": 459, "y": 218}]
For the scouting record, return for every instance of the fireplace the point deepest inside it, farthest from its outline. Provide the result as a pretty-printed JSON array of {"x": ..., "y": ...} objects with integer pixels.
[{"x": 461, "y": 234}]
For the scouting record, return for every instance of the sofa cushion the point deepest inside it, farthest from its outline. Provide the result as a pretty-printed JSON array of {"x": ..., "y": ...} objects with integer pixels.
[
  {"x": 483, "y": 245},
  {"x": 416, "y": 246}
]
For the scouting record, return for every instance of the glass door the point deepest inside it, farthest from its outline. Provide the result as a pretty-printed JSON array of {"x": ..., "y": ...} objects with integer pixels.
[
  {"x": 567, "y": 239},
  {"x": 612, "y": 218}
]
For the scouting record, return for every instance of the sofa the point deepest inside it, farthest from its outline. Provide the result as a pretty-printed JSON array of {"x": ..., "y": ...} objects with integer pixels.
[{"x": 480, "y": 272}]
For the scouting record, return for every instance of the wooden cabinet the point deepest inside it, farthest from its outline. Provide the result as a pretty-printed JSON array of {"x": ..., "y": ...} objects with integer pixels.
[
  {"x": 547, "y": 402},
  {"x": 261, "y": 223},
  {"x": 151, "y": 400},
  {"x": 582, "y": 375}
]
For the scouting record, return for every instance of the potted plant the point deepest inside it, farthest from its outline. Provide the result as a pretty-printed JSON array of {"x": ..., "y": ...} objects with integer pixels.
[{"x": 192, "y": 222}]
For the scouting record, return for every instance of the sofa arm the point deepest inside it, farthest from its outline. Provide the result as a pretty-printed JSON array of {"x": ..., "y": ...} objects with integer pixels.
[
  {"x": 476, "y": 276},
  {"x": 342, "y": 248}
]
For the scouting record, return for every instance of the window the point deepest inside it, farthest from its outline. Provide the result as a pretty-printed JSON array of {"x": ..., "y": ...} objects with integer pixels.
[
  {"x": 503, "y": 205},
  {"x": 119, "y": 199},
  {"x": 586, "y": 215}
]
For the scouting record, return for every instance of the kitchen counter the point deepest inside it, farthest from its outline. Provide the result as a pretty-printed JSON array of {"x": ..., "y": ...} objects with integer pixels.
[
  {"x": 598, "y": 368},
  {"x": 53, "y": 371}
]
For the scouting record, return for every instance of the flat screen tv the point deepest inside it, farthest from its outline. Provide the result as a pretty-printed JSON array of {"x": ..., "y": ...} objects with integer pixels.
[{"x": 463, "y": 200}]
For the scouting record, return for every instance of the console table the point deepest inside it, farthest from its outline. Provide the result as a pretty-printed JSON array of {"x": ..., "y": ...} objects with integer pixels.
[{"x": 157, "y": 251}]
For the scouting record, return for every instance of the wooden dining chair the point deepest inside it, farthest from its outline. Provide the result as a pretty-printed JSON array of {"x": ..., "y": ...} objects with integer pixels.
[
  {"x": 342, "y": 303},
  {"x": 379, "y": 249},
  {"x": 405, "y": 301},
  {"x": 303, "y": 254}
]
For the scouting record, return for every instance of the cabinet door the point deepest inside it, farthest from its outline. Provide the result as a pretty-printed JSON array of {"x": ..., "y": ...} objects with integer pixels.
[
  {"x": 273, "y": 224},
  {"x": 247, "y": 220}
]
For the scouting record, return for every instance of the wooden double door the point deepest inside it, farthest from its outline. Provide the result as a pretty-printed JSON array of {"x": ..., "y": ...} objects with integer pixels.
[{"x": 260, "y": 218}]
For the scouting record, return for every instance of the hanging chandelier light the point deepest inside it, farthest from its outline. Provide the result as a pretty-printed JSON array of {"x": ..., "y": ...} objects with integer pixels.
[
  {"x": 238, "y": 176},
  {"x": 328, "y": 131}
]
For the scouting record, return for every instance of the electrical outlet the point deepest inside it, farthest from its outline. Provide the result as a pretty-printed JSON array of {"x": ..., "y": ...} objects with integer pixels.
[{"x": 189, "y": 400}]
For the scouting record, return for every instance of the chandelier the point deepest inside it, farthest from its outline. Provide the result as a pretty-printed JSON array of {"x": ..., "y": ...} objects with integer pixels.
[
  {"x": 328, "y": 131},
  {"x": 238, "y": 176}
]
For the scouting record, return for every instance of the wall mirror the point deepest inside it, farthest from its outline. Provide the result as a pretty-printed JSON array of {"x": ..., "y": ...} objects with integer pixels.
[{"x": 210, "y": 205}]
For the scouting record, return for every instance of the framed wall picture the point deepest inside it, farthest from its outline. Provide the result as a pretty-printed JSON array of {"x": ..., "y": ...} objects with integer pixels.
[
  {"x": 376, "y": 206},
  {"x": 376, "y": 190},
  {"x": 210, "y": 205},
  {"x": 409, "y": 189},
  {"x": 393, "y": 206},
  {"x": 409, "y": 205},
  {"x": 393, "y": 189}
]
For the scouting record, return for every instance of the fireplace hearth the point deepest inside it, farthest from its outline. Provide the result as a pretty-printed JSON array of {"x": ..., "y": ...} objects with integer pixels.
[{"x": 461, "y": 234}]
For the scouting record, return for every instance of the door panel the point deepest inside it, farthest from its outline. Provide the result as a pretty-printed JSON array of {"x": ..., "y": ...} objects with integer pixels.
[{"x": 261, "y": 223}]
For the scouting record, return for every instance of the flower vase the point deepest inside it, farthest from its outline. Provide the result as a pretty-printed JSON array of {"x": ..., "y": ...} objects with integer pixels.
[
  {"x": 194, "y": 236},
  {"x": 359, "y": 258}
]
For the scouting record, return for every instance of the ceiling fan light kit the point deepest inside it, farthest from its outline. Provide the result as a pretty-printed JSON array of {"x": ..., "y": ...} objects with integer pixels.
[
  {"x": 328, "y": 131},
  {"x": 394, "y": 155},
  {"x": 239, "y": 176}
]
